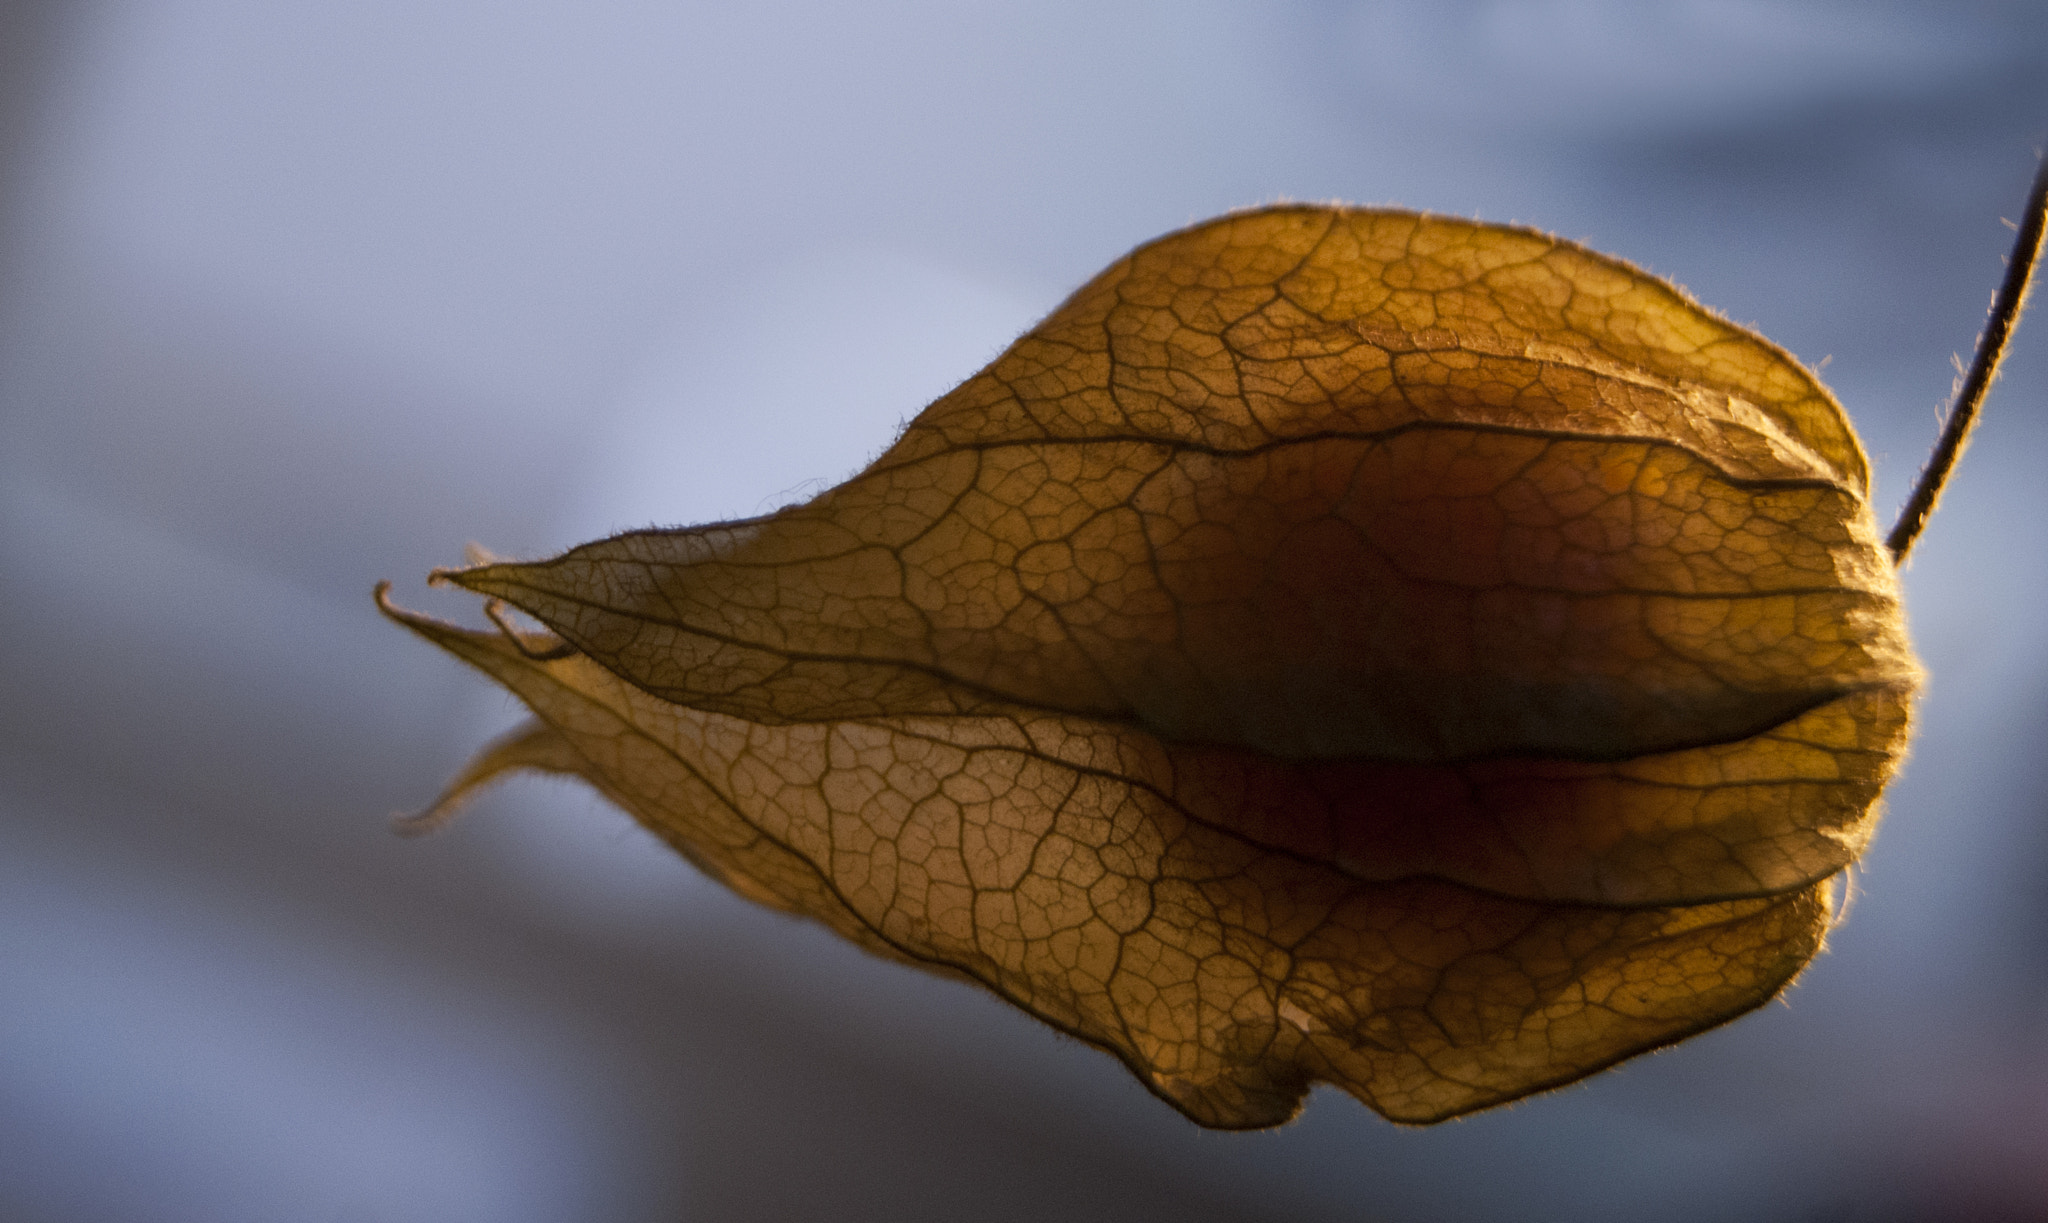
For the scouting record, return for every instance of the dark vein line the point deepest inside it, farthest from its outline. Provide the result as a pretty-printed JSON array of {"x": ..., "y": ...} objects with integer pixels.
[{"x": 1763, "y": 483}]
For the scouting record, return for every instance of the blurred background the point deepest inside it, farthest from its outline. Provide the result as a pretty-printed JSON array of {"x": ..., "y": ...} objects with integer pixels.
[{"x": 294, "y": 297}]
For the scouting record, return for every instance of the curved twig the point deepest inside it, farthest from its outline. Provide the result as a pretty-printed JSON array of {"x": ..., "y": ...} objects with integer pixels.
[{"x": 2005, "y": 315}]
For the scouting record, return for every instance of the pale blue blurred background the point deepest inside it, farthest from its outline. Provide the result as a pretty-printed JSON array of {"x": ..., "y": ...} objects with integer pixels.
[{"x": 298, "y": 296}]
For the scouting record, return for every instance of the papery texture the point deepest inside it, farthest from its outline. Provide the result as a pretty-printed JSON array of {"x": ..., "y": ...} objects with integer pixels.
[
  {"x": 1336, "y": 644},
  {"x": 1227, "y": 975}
]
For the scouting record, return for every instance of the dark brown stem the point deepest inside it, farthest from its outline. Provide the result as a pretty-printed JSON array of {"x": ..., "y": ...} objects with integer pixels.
[{"x": 2005, "y": 315}]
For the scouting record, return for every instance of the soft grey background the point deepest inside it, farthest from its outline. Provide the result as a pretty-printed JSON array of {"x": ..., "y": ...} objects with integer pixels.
[{"x": 296, "y": 296}]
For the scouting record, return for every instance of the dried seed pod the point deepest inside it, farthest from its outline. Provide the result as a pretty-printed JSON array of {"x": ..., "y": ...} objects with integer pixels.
[{"x": 1337, "y": 644}]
